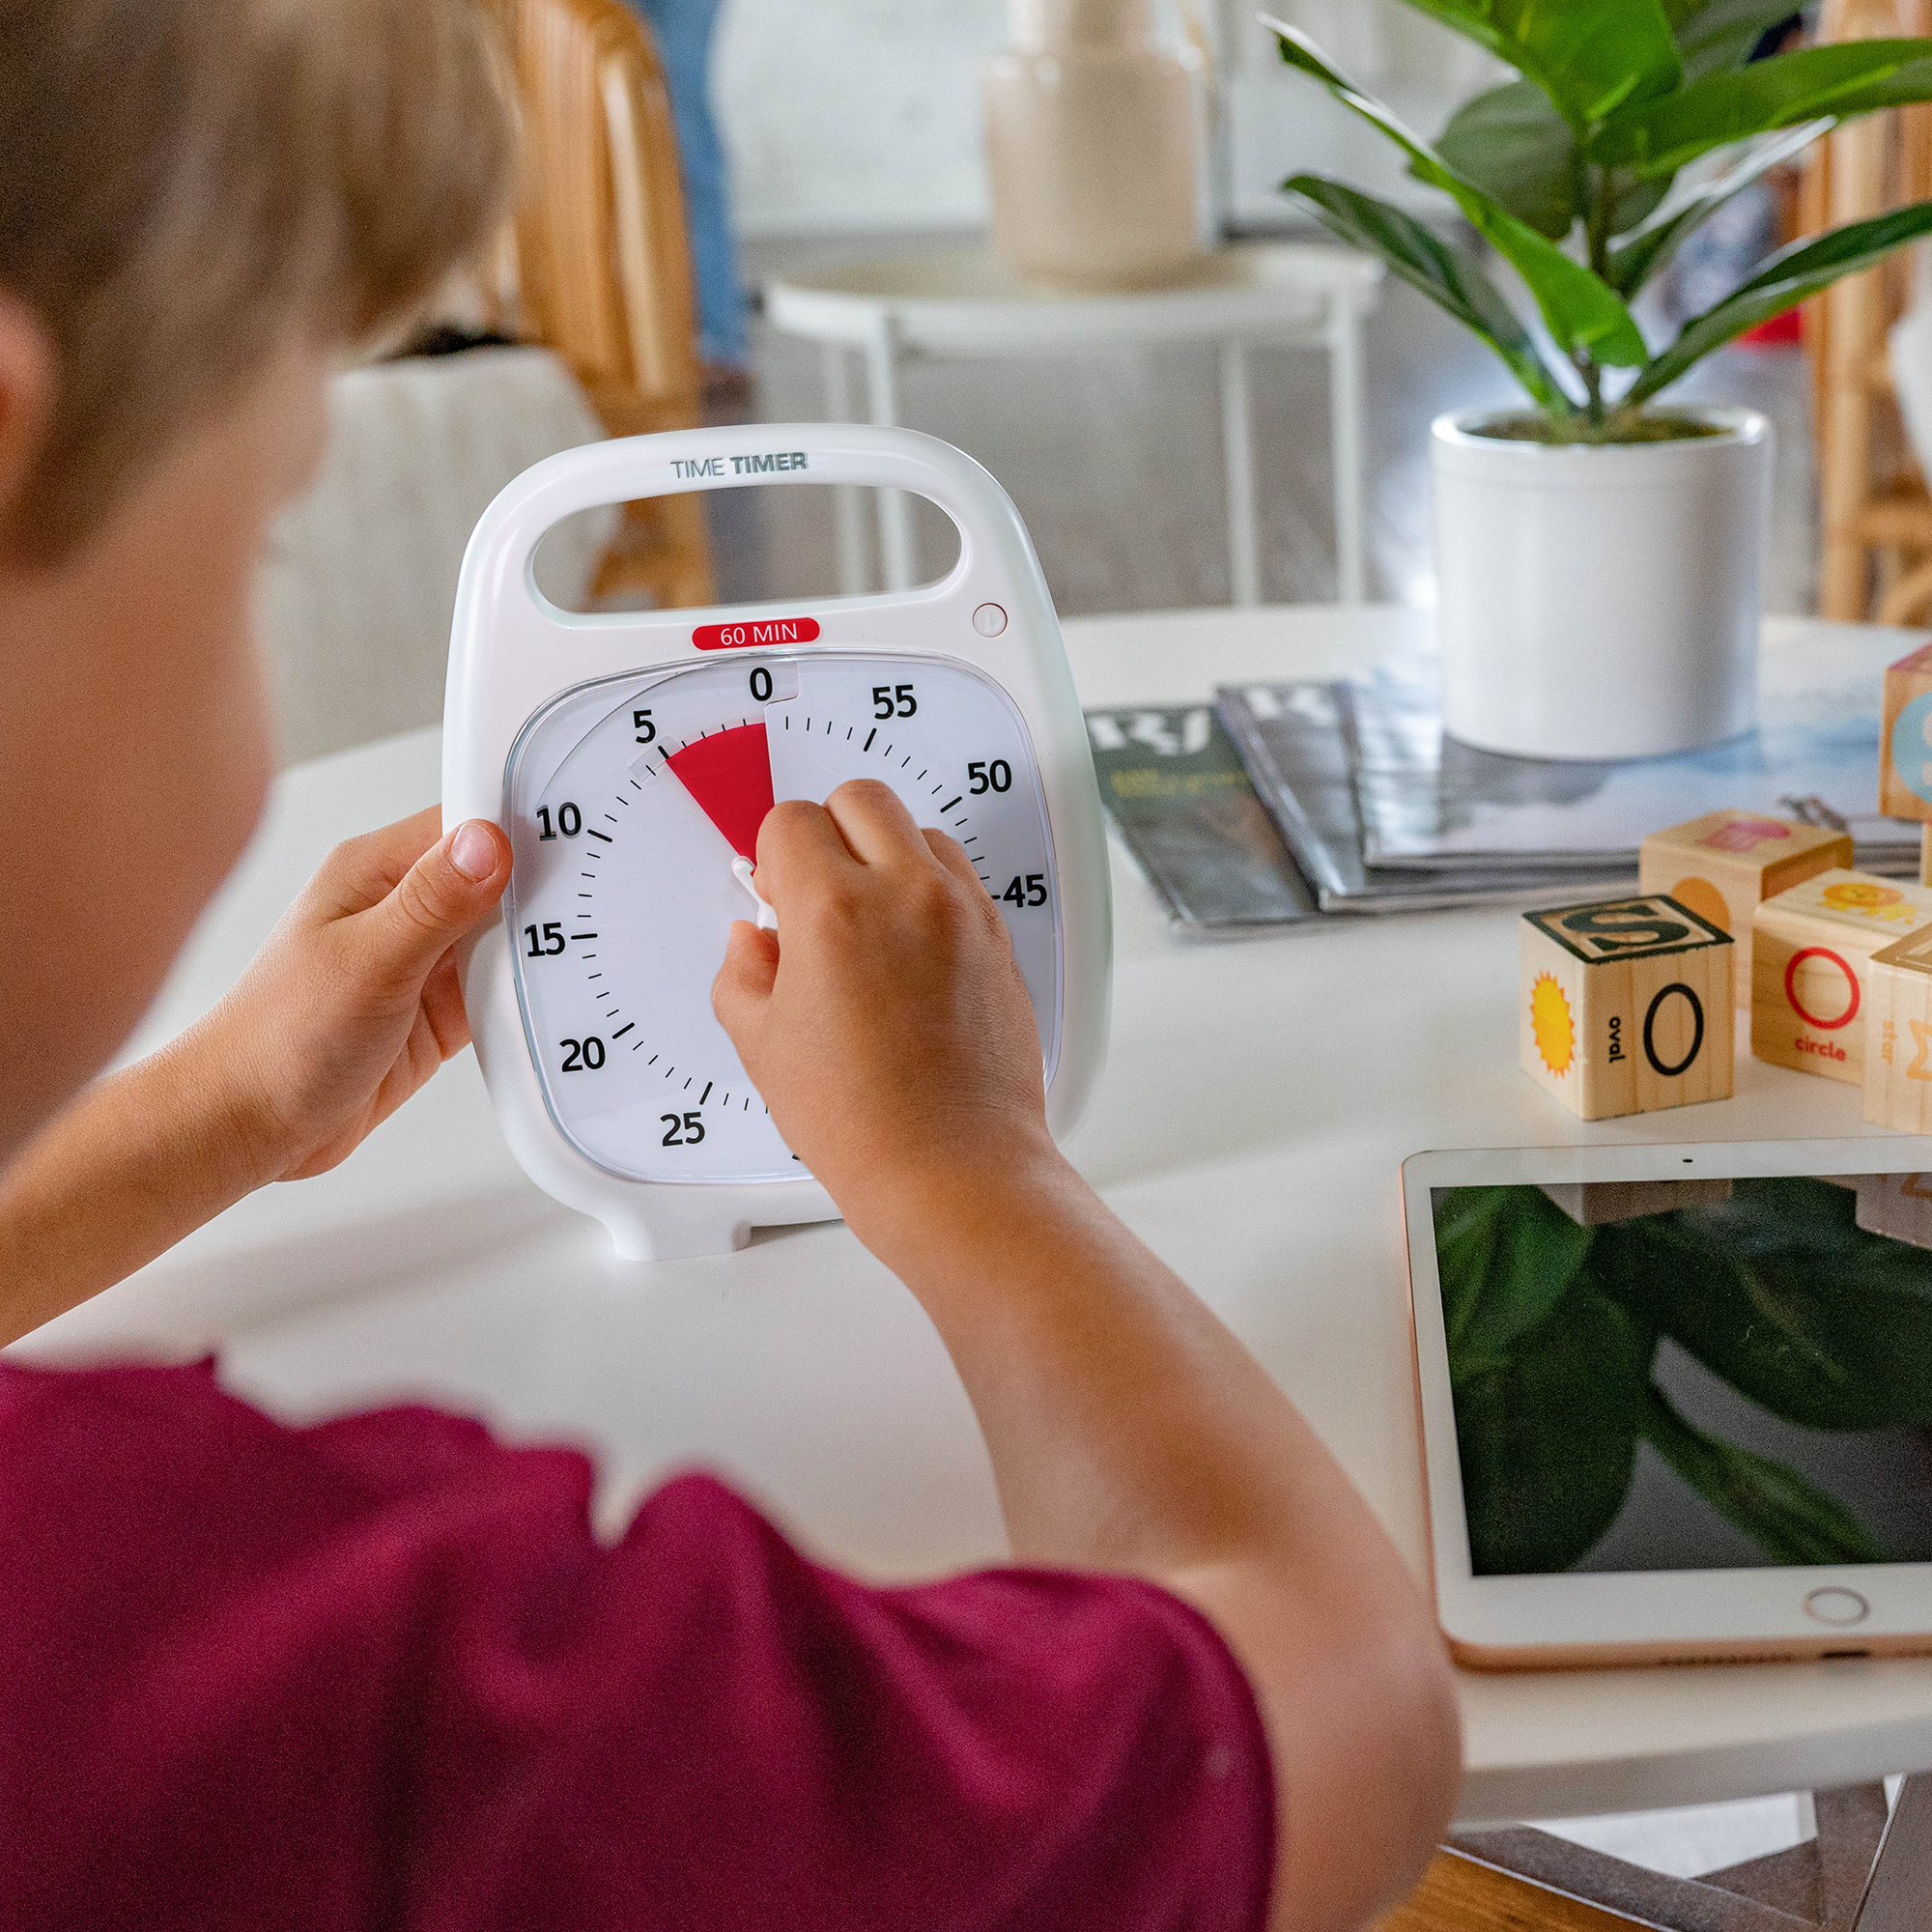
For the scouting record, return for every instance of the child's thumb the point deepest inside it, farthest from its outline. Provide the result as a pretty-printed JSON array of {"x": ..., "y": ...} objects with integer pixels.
[{"x": 439, "y": 898}]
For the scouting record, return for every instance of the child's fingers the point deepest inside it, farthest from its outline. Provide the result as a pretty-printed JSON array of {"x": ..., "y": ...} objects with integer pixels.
[
  {"x": 436, "y": 902},
  {"x": 745, "y": 980},
  {"x": 874, "y": 822},
  {"x": 798, "y": 843},
  {"x": 363, "y": 871}
]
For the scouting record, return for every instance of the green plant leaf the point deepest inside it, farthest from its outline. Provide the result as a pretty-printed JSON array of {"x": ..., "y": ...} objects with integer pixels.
[
  {"x": 1548, "y": 1436},
  {"x": 1790, "y": 275},
  {"x": 1852, "y": 77},
  {"x": 1589, "y": 56},
  {"x": 1507, "y": 1257},
  {"x": 1722, "y": 33},
  {"x": 1426, "y": 262},
  {"x": 1787, "y": 1517},
  {"x": 1781, "y": 1294},
  {"x": 1584, "y": 315},
  {"x": 1636, "y": 259},
  {"x": 1514, "y": 145}
]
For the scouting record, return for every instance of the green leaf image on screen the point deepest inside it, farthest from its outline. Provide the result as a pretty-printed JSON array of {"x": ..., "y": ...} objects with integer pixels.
[{"x": 1557, "y": 1331}]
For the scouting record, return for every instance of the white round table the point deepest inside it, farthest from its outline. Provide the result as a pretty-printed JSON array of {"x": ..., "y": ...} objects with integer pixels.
[
  {"x": 962, "y": 303},
  {"x": 1258, "y": 1101}
]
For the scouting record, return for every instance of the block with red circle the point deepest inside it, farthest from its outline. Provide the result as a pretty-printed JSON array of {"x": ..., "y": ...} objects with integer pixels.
[
  {"x": 1723, "y": 865},
  {"x": 1812, "y": 952}
]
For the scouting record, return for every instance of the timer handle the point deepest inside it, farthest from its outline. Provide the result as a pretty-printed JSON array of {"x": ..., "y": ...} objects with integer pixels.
[{"x": 625, "y": 468}]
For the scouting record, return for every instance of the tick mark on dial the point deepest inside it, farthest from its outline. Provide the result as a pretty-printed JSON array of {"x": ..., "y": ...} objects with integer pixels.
[
  {"x": 623, "y": 1029},
  {"x": 950, "y": 802},
  {"x": 869, "y": 736},
  {"x": 584, "y": 935},
  {"x": 597, "y": 975},
  {"x": 706, "y": 1094},
  {"x": 686, "y": 1088},
  {"x": 605, "y": 836},
  {"x": 652, "y": 1061}
]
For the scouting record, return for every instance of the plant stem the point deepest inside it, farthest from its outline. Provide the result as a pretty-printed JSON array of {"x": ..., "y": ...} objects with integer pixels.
[{"x": 1600, "y": 205}]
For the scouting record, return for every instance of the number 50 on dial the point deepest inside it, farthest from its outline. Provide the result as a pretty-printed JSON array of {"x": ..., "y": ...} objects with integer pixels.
[{"x": 632, "y": 793}]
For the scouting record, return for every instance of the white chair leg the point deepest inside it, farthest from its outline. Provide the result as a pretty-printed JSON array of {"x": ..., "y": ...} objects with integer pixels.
[
  {"x": 1345, "y": 433},
  {"x": 895, "y": 538},
  {"x": 1244, "y": 576},
  {"x": 1898, "y": 1897},
  {"x": 848, "y": 522}
]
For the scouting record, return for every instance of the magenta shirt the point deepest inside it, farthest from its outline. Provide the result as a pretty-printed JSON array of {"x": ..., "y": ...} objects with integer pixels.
[{"x": 379, "y": 1674}]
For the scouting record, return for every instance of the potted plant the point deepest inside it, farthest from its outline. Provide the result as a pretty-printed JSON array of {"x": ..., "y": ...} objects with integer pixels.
[{"x": 1597, "y": 552}]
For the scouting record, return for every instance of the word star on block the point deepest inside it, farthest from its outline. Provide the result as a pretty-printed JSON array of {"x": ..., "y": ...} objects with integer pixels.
[
  {"x": 1723, "y": 865},
  {"x": 1811, "y": 948},
  {"x": 1905, "y": 749},
  {"x": 1898, "y": 1035},
  {"x": 1626, "y": 1005}
]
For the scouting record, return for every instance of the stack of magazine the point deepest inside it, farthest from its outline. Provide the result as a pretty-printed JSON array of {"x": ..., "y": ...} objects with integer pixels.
[{"x": 1284, "y": 803}]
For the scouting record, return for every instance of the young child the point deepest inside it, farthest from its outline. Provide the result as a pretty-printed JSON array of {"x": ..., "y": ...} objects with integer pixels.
[{"x": 378, "y": 1673}]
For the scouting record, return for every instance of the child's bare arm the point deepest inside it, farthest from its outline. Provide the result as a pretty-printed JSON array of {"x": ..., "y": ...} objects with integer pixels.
[
  {"x": 889, "y": 1031},
  {"x": 349, "y": 1007}
]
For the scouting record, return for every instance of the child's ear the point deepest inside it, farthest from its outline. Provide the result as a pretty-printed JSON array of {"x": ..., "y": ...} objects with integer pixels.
[{"x": 28, "y": 376}]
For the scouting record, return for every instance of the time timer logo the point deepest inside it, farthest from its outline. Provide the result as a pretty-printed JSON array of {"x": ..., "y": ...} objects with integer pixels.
[{"x": 1551, "y": 1025}]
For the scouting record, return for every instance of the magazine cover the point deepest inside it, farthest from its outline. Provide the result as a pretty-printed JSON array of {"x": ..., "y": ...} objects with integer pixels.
[
  {"x": 1429, "y": 803},
  {"x": 1177, "y": 792}
]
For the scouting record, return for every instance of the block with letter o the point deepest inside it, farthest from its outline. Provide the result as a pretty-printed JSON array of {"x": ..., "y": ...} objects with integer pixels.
[{"x": 1626, "y": 1005}]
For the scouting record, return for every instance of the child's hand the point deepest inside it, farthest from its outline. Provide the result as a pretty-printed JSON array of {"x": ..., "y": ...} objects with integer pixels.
[
  {"x": 885, "y": 1022},
  {"x": 352, "y": 1002}
]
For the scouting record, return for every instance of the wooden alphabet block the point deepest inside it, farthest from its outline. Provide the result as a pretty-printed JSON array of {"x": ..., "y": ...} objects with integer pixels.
[
  {"x": 1897, "y": 1206},
  {"x": 1597, "y": 1204},
  {"x": 1723, "y": 865},
  {"x": 1811, "y": 950},
  {"x": 1626, "y": 1005},
  {"x": 1905, "y": 749},
  {"x": 1898, "y": 1035}
]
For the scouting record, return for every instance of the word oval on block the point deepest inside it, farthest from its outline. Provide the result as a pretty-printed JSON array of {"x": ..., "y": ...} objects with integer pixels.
[
  {"x": 1812, "y": 951},
  {"x": 1725, "y": 864},
  {"x": 1626, "y": 1005}
]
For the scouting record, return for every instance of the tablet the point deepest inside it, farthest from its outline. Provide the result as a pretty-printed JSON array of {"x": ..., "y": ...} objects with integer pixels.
[{"x": 1676, "y": 1401}]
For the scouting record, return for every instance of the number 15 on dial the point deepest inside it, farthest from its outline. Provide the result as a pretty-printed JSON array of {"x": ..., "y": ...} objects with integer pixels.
[{"x": 633, "y": 794}]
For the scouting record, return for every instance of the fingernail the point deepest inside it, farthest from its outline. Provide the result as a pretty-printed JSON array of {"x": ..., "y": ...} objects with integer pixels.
[{"x": 472, "y": 851}]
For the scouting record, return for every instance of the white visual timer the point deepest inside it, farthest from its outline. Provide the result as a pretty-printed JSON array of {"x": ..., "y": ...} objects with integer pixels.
[{"x": 632, "y": 758}]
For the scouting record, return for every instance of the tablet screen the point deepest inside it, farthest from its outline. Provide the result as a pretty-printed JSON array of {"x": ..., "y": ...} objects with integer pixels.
[{"x": 1692, "y": 1375}]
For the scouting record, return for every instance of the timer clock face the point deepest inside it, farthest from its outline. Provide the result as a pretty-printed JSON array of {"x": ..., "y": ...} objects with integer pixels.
[{"x": 629, "y": 802}]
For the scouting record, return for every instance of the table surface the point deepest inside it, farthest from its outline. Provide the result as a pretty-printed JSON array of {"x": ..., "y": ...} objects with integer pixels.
[
  {"x": 1259, "y": 1098},
  {"x": 962, "y": 298}
]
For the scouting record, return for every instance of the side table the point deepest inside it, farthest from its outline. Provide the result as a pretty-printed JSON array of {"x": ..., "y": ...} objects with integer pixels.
[{"x": 961, "y": 304}]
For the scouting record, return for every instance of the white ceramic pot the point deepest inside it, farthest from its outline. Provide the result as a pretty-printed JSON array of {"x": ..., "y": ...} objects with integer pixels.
[{"x": 1600, "y": 600}]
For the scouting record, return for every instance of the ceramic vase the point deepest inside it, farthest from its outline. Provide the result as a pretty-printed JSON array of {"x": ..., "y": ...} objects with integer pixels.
[
  {"x": 1600, "y": 600},
  {"x": 1096, "y": 138}
]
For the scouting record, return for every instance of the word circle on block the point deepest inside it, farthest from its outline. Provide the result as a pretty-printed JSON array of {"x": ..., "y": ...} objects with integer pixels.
[
  {"x": 1898, "y": 1035},
  {"x": 1723, "y": 865},
  {"x": 1811, "y": 950},
  {"x": 1626, "y": 1005}
]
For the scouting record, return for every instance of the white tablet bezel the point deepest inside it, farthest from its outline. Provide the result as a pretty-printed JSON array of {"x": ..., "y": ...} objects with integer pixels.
[{"x": 1649, "y": 1617}]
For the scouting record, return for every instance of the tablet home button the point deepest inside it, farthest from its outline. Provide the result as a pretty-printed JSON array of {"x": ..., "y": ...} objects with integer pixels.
[{"x": 1836, "y": 1606}]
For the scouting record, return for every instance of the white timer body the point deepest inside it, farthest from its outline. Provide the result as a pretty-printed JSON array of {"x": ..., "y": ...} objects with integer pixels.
[{"x": 630, "y": 757}]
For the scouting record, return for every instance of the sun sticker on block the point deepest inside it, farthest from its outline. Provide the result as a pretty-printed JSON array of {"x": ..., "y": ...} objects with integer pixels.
[
  {"x": 1812, "y": 952},
  {"x": 1626, "y": 1005},
  {"x": 1723, "y": 865}
]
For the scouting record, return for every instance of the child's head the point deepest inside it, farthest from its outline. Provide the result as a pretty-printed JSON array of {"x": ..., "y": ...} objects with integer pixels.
[{"x": 202, "y": 202}]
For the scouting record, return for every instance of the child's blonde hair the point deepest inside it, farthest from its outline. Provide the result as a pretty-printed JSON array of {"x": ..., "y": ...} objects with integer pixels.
[{"x": 182, "y": 181}]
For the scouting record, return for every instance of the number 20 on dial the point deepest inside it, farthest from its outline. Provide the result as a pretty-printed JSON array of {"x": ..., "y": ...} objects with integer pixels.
[{"x": 633, "y": 760}]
